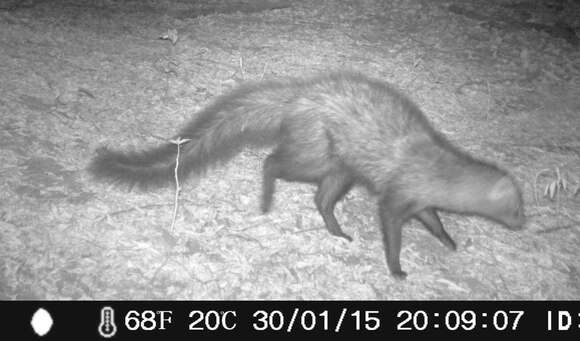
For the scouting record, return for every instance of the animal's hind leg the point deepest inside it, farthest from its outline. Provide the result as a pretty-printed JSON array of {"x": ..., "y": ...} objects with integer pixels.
[
  {"x": 430, "y": 219},
  {"x": 331, "y": 189},
  {"x": 271, "y": 172},
  {"x": 285, "y": 164}
]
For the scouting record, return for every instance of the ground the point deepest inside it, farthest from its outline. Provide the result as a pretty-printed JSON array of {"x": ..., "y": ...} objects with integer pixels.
[{"x": 499, "y": 78}]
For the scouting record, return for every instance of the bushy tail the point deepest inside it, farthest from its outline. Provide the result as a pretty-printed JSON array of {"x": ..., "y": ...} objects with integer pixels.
[{"x": 217, "y": 133}]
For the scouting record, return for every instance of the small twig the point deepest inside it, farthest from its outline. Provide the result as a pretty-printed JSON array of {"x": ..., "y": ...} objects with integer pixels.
[
  {"x": 536, "y": 184},
  {"x": 264, "y": 71},
  {"x": 179, "y": 141},
  {"x": 120, "y": 212},
  {"x": 242, "y": 68}
]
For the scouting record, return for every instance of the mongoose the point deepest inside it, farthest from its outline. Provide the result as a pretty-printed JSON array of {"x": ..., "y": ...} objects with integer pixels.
[{"x": 334, "y": 130}]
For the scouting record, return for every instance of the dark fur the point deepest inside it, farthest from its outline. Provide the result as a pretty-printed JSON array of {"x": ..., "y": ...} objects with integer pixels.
[{"x": 336, "y": 130}]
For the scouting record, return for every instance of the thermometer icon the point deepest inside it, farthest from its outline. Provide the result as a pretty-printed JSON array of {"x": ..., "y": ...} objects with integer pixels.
[{"x": 107, "y": 327}]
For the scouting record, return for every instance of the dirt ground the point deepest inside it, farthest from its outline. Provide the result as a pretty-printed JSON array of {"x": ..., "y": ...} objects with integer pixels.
[{"x": 499, "y": 78}]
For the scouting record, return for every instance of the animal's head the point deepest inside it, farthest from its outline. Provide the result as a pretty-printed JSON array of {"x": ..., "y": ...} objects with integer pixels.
[{"x": 503, "y": 203}]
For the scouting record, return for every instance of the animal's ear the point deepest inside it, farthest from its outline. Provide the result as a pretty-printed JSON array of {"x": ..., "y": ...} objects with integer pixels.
[{"x": 503, "y": 189}]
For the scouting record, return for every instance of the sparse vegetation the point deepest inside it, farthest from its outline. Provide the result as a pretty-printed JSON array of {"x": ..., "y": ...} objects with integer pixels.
[{"x": 499, "y": 78}]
